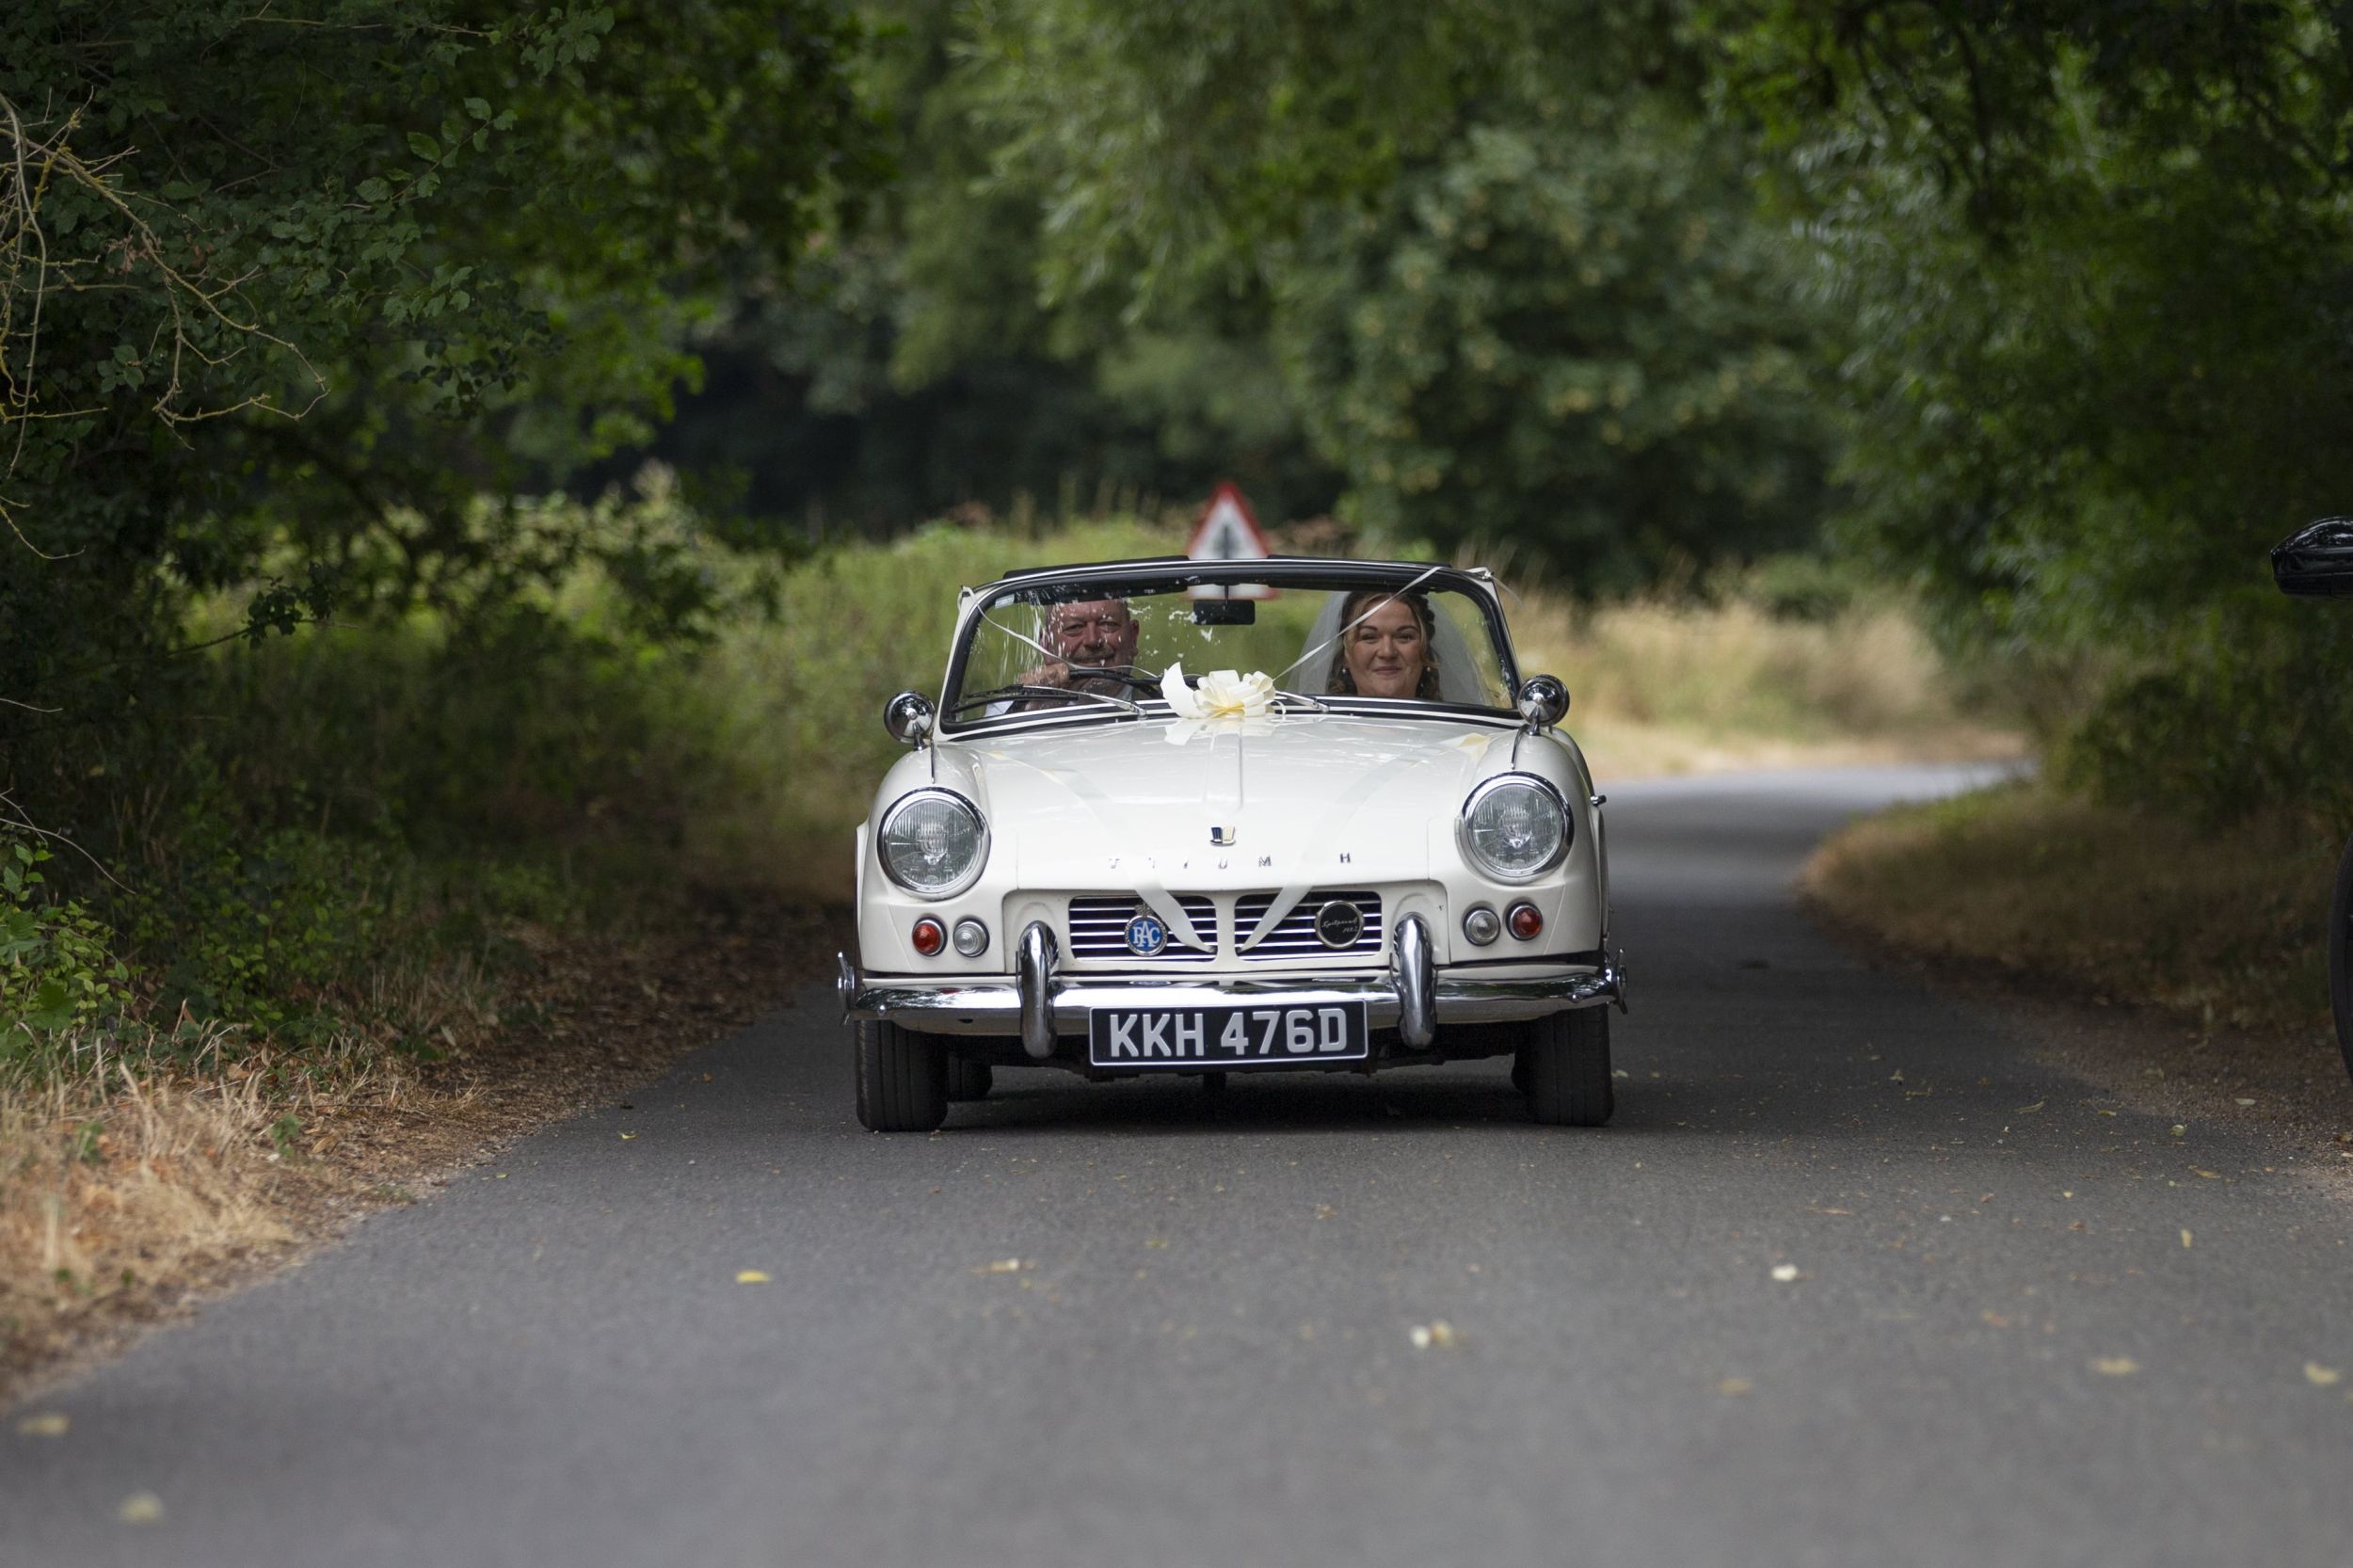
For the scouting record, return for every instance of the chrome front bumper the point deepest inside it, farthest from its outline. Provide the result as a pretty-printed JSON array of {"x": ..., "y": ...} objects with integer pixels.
[{"x": 1039, "y": 1006}]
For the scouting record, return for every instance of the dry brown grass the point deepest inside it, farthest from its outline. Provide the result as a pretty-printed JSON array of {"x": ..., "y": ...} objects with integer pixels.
[
  {"x": 134, "y": 1167},
  {"x": 1668, "y": 687},
  {"x": 2224, "y": 925},
  {"x": 137, "y": 1179},
  {"x": 111, "y": 1184}
]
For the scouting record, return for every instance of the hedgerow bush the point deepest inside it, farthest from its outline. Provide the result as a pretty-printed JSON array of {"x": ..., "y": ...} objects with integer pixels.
[
  {"x": 58, "y": 963},
  {"x": 277, "y": 824}
]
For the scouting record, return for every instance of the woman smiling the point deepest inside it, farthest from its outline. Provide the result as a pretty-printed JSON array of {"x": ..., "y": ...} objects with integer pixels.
[{"x": 1386, "y": 648}]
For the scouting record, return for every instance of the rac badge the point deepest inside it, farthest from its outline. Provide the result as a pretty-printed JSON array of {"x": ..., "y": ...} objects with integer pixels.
[
  {"x": 1146, "y": 936},
  {"x": 1223, "y": 836}
]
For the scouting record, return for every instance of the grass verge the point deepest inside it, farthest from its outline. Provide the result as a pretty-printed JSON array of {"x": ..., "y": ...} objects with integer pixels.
[
  {"x": 2204, "y": 944},
  {"x": 147, "y": 1172}
]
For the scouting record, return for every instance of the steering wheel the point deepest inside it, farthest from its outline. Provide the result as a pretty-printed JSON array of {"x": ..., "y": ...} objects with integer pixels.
[{"x": 1127, "y": 674}]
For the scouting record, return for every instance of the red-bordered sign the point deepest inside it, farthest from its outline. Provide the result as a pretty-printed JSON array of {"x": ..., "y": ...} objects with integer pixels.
[{"x": 1228, "y": 532}]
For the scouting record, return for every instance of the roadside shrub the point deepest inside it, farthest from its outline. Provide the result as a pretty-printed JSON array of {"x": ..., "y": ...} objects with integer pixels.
[
  {"x": 1801, "y": 587},
  {"x": 2252, "y": 713},
  {"x": 58, "y": 963},
  {"x": 285, "y": 821},
  {"x": 264, "y": 929}
]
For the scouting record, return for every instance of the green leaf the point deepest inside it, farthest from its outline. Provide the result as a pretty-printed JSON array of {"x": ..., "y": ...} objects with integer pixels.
[
  {"x": 373, "y": 191},
  {"x": 52, "y": 1008},
  {"x": 424, "y": 145}
]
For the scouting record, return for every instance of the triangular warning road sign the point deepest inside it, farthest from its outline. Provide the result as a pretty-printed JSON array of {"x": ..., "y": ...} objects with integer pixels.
[{"x": 1228, "y": 532}]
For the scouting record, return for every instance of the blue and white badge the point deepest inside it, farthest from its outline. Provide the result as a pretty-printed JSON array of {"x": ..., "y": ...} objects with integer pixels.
[{"x": 1146, "y": 936}]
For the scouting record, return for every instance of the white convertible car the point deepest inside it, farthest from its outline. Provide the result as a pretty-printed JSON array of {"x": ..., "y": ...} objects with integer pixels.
[{"x": 1173, "y": 816}]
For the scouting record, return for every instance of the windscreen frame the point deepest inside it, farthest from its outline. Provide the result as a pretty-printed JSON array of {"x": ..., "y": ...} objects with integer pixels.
[{"x": 1173, "y": 574}]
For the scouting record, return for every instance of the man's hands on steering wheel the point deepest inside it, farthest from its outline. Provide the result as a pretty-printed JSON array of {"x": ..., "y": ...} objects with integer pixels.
[
  {"x": 1044, "y": 682},
  {"x": 1060, "y": 674},
  {"x": 1128, "y": 675}
]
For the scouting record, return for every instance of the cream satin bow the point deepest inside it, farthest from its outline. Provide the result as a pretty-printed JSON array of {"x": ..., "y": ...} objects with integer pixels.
[{"x": 1222, "y": 693}]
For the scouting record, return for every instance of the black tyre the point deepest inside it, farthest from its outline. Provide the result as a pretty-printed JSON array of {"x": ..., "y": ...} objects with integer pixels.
[
  {"x": 968, "y": 1079},
  {"x": 1564, "y": 1068},
  {"x": 902, "y": 1079},
  {"x": 2340, "y": 955}
]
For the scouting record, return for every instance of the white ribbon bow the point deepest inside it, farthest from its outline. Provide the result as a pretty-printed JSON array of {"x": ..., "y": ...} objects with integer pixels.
[{"x": 1222, "y": 693}]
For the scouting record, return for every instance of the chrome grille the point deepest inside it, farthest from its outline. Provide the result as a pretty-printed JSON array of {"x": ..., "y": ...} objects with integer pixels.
[
  {"x": 1098, "y": 930},
  {"x": 1294, "y": 936}
]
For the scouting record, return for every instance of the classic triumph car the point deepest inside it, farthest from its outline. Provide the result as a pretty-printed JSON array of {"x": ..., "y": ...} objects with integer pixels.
[{"x": 1175, "y": 816}]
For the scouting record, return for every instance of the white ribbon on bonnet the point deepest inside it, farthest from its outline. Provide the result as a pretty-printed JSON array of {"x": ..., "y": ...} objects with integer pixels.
[{"x": 1222, "y": 693}]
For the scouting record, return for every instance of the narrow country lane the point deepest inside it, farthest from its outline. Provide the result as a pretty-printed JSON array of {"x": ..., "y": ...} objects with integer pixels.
[{"x": 1993, "y": 1347}]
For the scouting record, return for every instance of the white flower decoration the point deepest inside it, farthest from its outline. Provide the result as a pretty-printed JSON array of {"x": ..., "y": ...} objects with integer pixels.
[{"x": 1222, "y": 693}]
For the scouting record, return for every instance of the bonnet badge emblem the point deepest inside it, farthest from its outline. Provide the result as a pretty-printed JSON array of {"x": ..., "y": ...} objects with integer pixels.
[{"x": 1223, "y": 836}]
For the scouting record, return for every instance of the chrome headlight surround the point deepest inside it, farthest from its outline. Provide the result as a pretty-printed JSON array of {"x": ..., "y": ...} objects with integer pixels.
[
  {"x": 895, "y": 819},
  {"x": 1548, "y": 794}
]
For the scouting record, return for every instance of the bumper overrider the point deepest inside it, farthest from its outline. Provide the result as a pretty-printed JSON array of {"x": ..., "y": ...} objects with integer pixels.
[{"x": 1040, "y": 1006}]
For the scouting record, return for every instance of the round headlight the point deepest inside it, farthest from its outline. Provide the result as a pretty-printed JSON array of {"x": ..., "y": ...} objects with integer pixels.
[
  {"x": 1514, "y": 828},
  {"x": 932, "y": 843}
]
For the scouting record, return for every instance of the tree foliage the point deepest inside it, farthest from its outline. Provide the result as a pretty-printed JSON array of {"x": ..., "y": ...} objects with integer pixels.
[
  {"x": 1564, "y": 336},
  {"x": 2046, "y": 303},
  {"x": 285, "y": 288},
  {"x": 1516, "y": 281},
  {"x": 2099, "y": 275},
  {"x": 925, "y": 365}
]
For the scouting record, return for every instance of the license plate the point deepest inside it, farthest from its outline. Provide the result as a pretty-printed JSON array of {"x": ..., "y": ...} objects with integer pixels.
[{"x": 1226, "y": 1036}]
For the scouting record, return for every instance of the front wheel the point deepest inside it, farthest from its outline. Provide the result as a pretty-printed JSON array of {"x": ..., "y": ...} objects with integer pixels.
[
  {"x": 1563, "y": 1069},
  {"x": 2340, "y": 955},
  {"x": 901, "y": 1078}
]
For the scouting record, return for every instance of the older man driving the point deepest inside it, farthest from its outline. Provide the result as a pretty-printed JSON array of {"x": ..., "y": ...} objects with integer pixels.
[{"x": 1083, "y": 636}]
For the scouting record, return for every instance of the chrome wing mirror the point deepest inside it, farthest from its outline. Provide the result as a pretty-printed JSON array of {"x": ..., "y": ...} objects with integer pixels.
[
  {"x": 1543, "y": 700},
  {"x": 909, "y": 717}
]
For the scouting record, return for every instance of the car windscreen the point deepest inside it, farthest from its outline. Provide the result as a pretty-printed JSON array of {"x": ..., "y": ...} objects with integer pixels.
[{"x": 1042, "y": 648}]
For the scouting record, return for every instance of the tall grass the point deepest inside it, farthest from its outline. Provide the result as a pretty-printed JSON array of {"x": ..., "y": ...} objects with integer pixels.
[
  {"x": 1678, "y": 685},
  {"x": 132, "y": 1155},
  {"x": 1732, "y": 669}
]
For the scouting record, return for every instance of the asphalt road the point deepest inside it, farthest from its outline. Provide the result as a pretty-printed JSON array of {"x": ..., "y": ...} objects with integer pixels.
[{"x": 1996, "y": 1347}]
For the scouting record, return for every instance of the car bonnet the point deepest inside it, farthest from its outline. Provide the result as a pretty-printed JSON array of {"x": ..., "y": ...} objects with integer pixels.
[{"x": 1287, "y": 803}]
